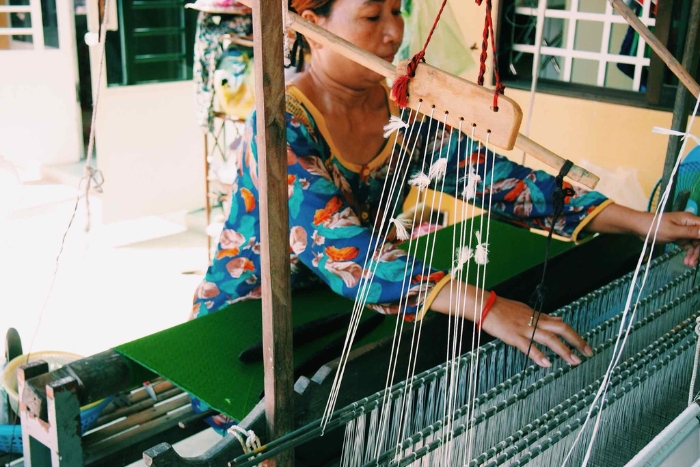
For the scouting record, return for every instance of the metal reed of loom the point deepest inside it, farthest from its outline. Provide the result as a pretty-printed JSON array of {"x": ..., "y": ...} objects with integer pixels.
[{"x": 511, "y": 391}]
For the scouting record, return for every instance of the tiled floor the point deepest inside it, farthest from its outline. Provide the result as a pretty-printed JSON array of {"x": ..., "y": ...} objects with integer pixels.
[{"x": 114, "y": 284}]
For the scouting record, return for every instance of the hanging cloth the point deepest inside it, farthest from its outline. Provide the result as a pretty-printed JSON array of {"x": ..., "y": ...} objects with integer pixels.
[
  {"x": 448, "y": 50},
  {"x": 208, "y": 53}
]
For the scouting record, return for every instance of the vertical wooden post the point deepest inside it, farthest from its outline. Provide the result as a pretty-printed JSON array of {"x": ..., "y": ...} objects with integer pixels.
[
  {"x": 274, "y": 220},
  {"x": 682, "y": 103}
]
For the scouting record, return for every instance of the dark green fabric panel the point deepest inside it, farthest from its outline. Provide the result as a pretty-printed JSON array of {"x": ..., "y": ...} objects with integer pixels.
[{"x": 201, "y": 356}]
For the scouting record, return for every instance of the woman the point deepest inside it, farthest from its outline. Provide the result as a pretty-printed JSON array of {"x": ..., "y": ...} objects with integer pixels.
[{"x": 338, "y": 159}]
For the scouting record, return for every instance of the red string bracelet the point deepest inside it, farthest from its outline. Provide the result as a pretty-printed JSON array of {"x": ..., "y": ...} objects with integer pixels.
[{"x": 487, "y": 308}]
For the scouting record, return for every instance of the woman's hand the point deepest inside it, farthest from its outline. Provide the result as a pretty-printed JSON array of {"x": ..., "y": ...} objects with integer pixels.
[
  {"x": 509, "y": 321},
  {"x": 681, "y": 228}
]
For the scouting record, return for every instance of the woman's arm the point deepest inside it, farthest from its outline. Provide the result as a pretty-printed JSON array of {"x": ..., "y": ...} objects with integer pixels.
[
  {"x": 509, "y": 321},
  {"x": 519, "y": 194},
  {"x": 682, "y": 228}
]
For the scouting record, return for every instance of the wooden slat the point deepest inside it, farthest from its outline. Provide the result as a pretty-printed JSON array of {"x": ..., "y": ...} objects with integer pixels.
[
  {"x": 148, "y": 429},
  {"x": 136, "y": 419},
  {"x": 136, "y": 407},
  {"x": 137, "y": 395},
  {"x": 274, "y": 221}
]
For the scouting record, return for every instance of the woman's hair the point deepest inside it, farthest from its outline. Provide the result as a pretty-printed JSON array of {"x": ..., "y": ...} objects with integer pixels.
[{"x": 301, "y": 47}]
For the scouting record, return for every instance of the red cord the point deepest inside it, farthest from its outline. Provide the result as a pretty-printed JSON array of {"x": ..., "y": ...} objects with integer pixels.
[
  {"x": 487, "y": 308},
  {"x": 488, "y": 32},
  {"x": 399, "y": 91}
]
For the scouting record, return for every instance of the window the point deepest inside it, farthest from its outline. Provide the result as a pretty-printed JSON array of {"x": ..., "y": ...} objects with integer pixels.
[
  {"x": 589, "y": 50},
  {"x": 154, "y": 42},
  {"x": 28, "y": 24}
]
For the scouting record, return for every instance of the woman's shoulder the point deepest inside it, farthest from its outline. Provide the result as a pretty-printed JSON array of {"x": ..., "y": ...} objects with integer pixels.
[{"x": 298, "y": 111}]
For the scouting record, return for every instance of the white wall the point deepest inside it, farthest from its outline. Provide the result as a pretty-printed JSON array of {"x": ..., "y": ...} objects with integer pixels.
[{"x": 150, "y": 150}]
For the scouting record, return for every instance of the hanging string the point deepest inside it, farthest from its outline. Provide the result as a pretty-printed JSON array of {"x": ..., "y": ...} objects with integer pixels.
[
  {"x": 488, "y": 32},
  {"x": 92, "y": 177},
  {"x": 538, "y": 297},
  {"x": 399, "y": 91}
]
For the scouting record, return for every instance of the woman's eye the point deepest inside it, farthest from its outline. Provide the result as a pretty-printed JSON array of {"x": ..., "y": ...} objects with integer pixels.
[
  {"x": 373, "y": 18},
  {"x": 396, "y": 12}
]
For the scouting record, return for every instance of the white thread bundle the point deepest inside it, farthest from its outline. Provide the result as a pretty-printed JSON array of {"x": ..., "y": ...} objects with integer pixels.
[
  {"x": 481, "y": 255},
  {"x": 462, "y": 257},
  {"x": 473, "y": 180},
  {"x": 420, "y": 181},
  {"x": 249, "y": 441},
  {"x": 402, "y": 225},
  {"x": 438, "y": 169},
  {"x": 395, "y": 123},
  {"x": 684, "y": 136}
]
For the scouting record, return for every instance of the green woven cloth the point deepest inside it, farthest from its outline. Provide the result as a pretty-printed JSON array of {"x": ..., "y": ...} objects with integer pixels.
[{"x": 201, "y": 356}]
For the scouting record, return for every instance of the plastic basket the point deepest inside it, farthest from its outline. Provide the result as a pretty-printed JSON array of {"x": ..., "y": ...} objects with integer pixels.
[{"x": 11, "y": 439}]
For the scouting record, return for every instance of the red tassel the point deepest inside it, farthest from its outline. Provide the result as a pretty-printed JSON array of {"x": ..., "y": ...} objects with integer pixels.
[{"x": 399, "y": 91}]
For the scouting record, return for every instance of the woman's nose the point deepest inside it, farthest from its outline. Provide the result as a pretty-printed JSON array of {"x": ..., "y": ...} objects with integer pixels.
[{"x": 394, "y": 30}]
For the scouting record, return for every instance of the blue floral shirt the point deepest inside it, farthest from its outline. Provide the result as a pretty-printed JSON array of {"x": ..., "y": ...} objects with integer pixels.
[{"x": 333, "y": 204}]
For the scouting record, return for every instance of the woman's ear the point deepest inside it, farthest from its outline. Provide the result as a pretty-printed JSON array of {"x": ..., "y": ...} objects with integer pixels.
[{"x": 312, "y": 17}]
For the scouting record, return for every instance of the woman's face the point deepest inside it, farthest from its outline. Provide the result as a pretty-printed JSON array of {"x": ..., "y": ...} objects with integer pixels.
[{"x": 373, "y": 25}]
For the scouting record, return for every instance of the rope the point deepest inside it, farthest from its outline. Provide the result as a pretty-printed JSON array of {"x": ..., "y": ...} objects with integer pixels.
[
  {"x": 399, "y": 91},
  {"x": 248, "y": 439},
  {"x": 489, "y": 33},
  {"x": 538, "y": 297},
  {"x": 92, "y": 177}
]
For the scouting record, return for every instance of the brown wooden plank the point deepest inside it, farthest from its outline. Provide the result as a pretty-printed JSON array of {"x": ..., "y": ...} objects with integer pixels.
[
  {"x": 274, "y": 221},
  {"x": 136, "y": 419},
  {"x": 137, "y": 407},
  {"x": 138, "y": 395},
  {"x": 125, "y": 439}
]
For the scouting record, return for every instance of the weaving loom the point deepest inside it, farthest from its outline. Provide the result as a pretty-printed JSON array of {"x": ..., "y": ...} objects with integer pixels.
[
  {"x": 524, "y": 413},
  {"x": 488, "y": 406}
]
